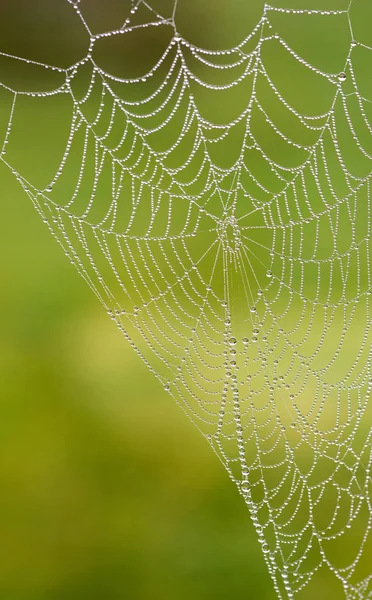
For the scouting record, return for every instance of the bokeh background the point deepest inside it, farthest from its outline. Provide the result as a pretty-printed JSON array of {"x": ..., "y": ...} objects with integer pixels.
[{"x": 107, "y": 490}]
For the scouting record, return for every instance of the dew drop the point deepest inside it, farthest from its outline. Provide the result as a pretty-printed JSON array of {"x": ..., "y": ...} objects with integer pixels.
[
  {"x": 245, "y": 341},
  {"x": 232, "y": 341},
  {"x": 245, "y": 487},
  {"x": 341, "y": 76},
  {"x": 269, "y": 274}
]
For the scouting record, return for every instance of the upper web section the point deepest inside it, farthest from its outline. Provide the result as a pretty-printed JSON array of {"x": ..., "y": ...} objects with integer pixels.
[{"x": 217, "y": 201}]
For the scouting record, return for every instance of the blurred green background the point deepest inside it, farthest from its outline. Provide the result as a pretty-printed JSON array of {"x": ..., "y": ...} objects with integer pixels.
[{"x": 107, "y": 490}]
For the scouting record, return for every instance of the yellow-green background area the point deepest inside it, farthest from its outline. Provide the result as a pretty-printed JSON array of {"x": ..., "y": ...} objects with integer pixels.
[{"x": 106, "y": 489}]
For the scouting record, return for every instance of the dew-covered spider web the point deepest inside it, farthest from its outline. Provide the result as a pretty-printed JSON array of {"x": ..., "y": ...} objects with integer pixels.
[{"x": 216, "y": 198}]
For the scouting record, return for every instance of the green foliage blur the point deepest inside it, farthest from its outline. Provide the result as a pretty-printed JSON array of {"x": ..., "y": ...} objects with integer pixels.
[{"x": 107, "y": 490}]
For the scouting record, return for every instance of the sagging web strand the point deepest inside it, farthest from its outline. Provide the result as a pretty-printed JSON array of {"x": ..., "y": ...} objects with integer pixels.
[{"x": 241, "y": 278}]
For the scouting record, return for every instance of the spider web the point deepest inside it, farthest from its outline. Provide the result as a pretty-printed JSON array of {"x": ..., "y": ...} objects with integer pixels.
[{"x": 221, "y": 214}]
